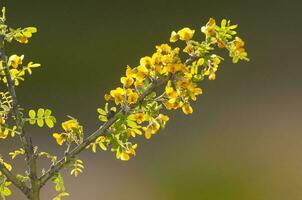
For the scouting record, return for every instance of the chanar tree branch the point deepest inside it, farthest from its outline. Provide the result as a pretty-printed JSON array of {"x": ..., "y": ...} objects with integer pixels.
[{"x": 167, "y": 80}]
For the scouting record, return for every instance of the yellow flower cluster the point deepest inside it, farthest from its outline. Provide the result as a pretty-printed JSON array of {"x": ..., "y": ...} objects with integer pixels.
[
  {"x": 144, "y": 115},
  {"x": 72, "y": 130},
  {"x": 17, "y": 71},
  {"x": 162, "y": 81}
]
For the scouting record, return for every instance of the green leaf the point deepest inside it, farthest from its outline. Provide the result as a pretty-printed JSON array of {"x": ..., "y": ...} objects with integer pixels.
[
  {"x": 40, "y": 113},
  {"x": 101, "y": 111},
  {"x": 49, "y": 122},
  {"x": 132, "y": 124},
  {"x": 223, "y": 23},
  {"x": 106, "y": 107},
  {"x": 40, "y": 122},
  {"x": 102, "y": 146},
  {"x": 47, "y": 113},
  {"x": 53, "y": 119},
  {"x": 103, "y": 118},
  {"x": 6, "y": 191},
  {"x": 32, "y": 114},
  {"x": 94, "y": 148}
]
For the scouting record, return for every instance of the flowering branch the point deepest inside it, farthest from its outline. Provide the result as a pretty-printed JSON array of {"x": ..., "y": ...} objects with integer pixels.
[
  {"x": 134, "y": 109},
  {"x": 102, "y": 130}
]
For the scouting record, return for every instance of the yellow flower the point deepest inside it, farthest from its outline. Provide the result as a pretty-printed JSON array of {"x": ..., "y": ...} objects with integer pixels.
[
  {"x": 163, "y": 49},
  {"x": 183, "y": 83},
  {"x": 2, "y": 120},
  {"x": 210, "y": 27},
  {"x": 239, "y": 43},
  {"x": 127, "y": 80},
  {"x": 189, "y": 49},
  {"x": 194, "y": 91},
  {"x": 177, "y": 104},
  {"x": 131, "y": 149},
  {"x": 176, "y": 67},
  {"x": 186, "y": 34},
  {"x": 174, "y": 37},
  {"x": 60, "y": 138},
  {"x": 151, "y": 129},
  {"x": 139, "y": 83},
  {"x": 146, "y": 61},
  {"x": 25, "y": 34},
  {"x": 118, "y": 95},
  {"x": 187, "y": 109},
  {"x": 107, "y": 97},
  {"x": 170, "y": 92},
  {"x": 70, "y": 125},
  {"x": 15, "y": 60},
  {"x": 141, "y": 73},
  {"x": 125, "y": 156},
  {"x": 132, "y": 98},
  {"x": 163, "y": 118},
  {"x": 139, "y": 117},
  {"x": 238, "y": 50},
  {"x": 212, "y": 76}
]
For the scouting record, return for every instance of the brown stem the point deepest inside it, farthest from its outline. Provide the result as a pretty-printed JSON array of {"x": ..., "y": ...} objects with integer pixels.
[
  {"x": 12, "y": 178},
  {"x": 25, "y": 140}
]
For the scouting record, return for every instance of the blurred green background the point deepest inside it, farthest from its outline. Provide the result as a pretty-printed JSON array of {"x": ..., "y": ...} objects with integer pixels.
[{"x": 244, "y": 140}]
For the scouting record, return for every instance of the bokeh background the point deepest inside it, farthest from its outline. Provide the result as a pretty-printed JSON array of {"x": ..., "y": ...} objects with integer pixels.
[{"x": 244, "y": 140}]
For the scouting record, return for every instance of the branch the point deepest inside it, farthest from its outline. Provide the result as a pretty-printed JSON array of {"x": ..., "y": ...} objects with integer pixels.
[
  {"x": 14, "y": 180},
  {"x": 78, "y": 149},
  {"x": 25, "y": 140}
]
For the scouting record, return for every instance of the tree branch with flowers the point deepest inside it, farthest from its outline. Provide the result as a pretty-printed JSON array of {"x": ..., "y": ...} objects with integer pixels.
[{"x": 167, "y": 80}]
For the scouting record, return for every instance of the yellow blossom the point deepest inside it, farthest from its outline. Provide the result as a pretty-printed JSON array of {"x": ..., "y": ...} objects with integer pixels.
[
  {"x": 127, "y": 80},
  {"x": 174, "y": 37},
  {"x": 176, "y": 67},
  {"x": 212, "y": 76},
  {"x": 183, "y": 83},
  {"x": 118, "y": 95},
  {"x": 189, "y": 49},
  {"x": 70, "y": 125},
  {"x": 146, "y": 61},
  {"x": 163, "y": 49},
  {"x": 132, "y": 97},
  {"x": 194, "y": 91},
  {"x": 209, "y": 29},
  {"x": 186, "y": 34},
  {"x": 125, "y": 156},
  {"x": 139, "y": 117},
  {"x": 187, "y": 109},
  {"x": 170, "y": 92},
  {"x": 25, "y": 34},
  {"x": 151, "y": 129},
  {"x": 15, "y": 60},
  {"x": 164, "y": 119},
  {"x": 141, "y": 73},
  {"x": 139, "y": 83},
  {"x": 107, "y": 97},
  {"x": 60, "y": 138}
]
